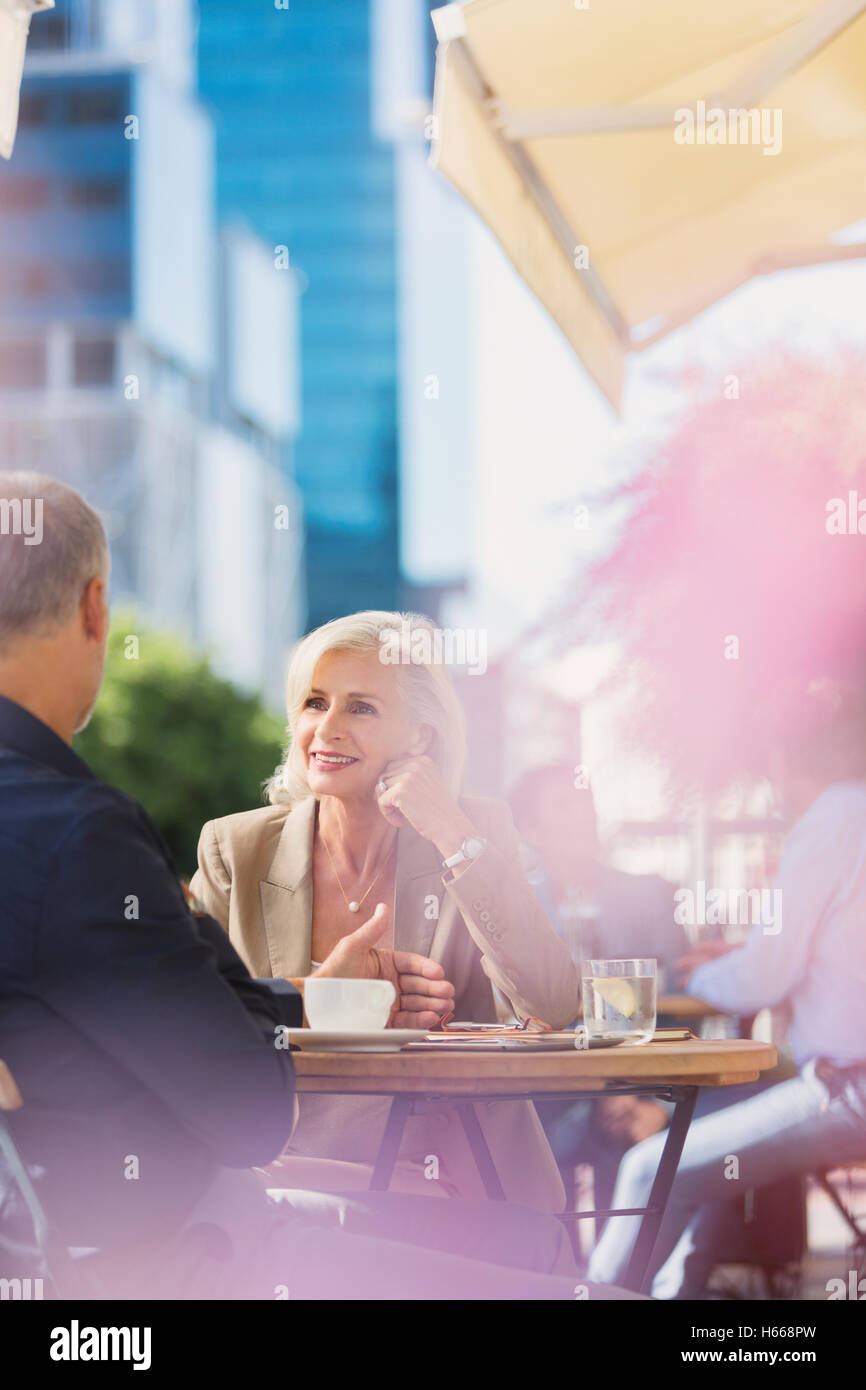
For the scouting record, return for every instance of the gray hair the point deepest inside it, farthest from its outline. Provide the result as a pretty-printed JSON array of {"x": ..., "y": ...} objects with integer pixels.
[{"x": 51, "y": 545}]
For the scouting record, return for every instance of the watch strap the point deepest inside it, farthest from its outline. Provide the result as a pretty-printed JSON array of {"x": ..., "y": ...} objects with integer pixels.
[{"x": 461, "y": 857}]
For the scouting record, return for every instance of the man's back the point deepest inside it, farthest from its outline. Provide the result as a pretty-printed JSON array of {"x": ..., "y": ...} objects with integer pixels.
[{"x": 135, "y": 1035}]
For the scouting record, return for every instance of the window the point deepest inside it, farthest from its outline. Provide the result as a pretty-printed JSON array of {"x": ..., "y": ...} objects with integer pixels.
[
  {"x": 93, "y": 362},
  {"x": 22, "y": 364},
  {"x": 105, "y": 276},
  {"x": 47, "y": 31},
  {"x": 33, "y": 109},
  {"x": 23, "y": 194},
  {"x": 96, "y": 193},
  {"x": 97, "y": 106},
  {"x": 25, "y": 279}
]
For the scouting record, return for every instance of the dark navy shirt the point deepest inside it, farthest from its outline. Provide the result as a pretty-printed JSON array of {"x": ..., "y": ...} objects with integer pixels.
[{"x": 144, "y": 1051}]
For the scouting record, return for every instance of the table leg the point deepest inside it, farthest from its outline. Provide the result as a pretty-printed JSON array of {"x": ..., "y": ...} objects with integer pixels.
[
  {"x": 636, "y": 1272},
  {"x": 481, "y": 1153},
  {"x": 390, "y": 1145}
]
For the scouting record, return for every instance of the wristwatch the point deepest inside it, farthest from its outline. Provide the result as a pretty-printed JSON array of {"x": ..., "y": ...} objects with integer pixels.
[{"x": 469, "y": 850}]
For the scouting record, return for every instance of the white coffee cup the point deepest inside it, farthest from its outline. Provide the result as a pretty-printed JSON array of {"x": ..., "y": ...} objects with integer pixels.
[{"x": 347, "y": 1006}]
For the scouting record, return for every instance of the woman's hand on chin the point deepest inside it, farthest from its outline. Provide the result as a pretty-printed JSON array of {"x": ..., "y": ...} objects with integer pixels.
[
  {"x": 424, "y": 997},
  {"x": 413, "y": 791}
]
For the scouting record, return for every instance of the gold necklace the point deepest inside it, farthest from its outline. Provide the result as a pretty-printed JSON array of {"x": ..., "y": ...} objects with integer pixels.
[{"x": 353, "y": 906}]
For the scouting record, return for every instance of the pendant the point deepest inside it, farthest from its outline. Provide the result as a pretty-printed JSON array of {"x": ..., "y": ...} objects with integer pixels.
[{"x": 354, "y": 907}]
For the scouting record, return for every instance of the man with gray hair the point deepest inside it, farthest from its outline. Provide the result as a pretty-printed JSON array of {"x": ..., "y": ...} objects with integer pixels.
[
  {"x": 53, "y": 560},
  {"x": 150, "y": 1062}
]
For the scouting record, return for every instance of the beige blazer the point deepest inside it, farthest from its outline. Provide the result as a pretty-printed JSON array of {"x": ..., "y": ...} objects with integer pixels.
[{"x": 485, "y": 927}]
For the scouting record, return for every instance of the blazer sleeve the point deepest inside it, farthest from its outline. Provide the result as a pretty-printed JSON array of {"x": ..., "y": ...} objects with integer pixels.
[
  {"x": 520, "y": 951},
  {"x": 211, "y": 883}
]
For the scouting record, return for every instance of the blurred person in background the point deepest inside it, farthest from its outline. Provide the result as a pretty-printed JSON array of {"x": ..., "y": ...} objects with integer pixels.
[
  {"x": 367, "y": 808},
  {"x": 603, "y": 911},
  {"x": 600, "y": 912},
  {"x": 814, "y": 961}
]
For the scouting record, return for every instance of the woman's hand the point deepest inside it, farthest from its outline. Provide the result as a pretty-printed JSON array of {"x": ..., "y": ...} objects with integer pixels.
[
  {"x": 414, "y": 792},
  {"x": 424, "y": 997}
]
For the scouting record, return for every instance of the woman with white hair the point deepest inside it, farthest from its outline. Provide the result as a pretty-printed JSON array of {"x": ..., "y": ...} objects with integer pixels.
[{"x": 366, "y": 812}]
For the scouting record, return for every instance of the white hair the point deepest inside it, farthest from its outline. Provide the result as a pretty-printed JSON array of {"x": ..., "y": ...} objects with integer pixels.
[
  {"x": 45, "y": 568},
  {"x": 425, "y": 685}
]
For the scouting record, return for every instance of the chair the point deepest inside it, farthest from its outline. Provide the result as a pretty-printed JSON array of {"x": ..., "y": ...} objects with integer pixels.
[
  {"x": 784, "y": 1281},
  {"x": 55, "y": 1262},
  {"x": 78, "y": 1277},
  {"x": 854, "y": 1221}
]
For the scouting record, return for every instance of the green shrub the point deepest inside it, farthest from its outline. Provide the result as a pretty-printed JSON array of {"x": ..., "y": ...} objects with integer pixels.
[{"x": 170, "y": 732}]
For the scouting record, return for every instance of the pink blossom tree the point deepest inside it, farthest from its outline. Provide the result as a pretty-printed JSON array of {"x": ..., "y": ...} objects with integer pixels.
[{"x": 739, "y": 580}]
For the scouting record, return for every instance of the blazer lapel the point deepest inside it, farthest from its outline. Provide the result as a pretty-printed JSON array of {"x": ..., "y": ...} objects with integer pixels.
[
  {"x": 287, "y": 894},
  {"x": 418, "y": 878}
]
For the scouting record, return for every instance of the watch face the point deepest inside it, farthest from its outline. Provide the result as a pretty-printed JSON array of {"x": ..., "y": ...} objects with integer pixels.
[{"x": 473, "y": 847}]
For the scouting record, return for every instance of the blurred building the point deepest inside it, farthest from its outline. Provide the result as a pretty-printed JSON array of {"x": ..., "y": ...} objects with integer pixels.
[
  {"x": 144, "y": 357},
  {"x": 311, "y": 102},
  {"x": 417, "y": 453}
]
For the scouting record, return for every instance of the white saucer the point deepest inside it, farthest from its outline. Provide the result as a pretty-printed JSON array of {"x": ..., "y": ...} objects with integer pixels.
[{"x": 373, "y": 1040}]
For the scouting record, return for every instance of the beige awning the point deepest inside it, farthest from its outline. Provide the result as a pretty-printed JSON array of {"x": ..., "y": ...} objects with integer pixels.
[
  {"x": 638, "y": 161},
  {"x": 14, "y": 28}
]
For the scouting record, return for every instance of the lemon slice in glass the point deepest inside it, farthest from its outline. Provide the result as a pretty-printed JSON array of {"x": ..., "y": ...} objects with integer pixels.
[{"x": 616, "y": 992}]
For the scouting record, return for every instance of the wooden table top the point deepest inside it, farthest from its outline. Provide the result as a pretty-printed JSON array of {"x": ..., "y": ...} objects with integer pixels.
[{"x": 699, "y": 1062}]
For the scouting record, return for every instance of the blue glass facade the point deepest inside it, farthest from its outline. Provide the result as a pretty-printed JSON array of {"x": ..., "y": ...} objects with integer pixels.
[{"x": 290, "y": 93}]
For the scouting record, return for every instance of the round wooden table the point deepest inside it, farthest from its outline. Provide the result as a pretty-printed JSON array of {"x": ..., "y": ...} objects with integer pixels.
[
  {"x": 673, "y": 1071},
  {"x": 696, "y": 1062}
]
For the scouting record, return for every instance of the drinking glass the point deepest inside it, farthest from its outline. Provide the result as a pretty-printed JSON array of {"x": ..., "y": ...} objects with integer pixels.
[{"x": 619, "y": 999}]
